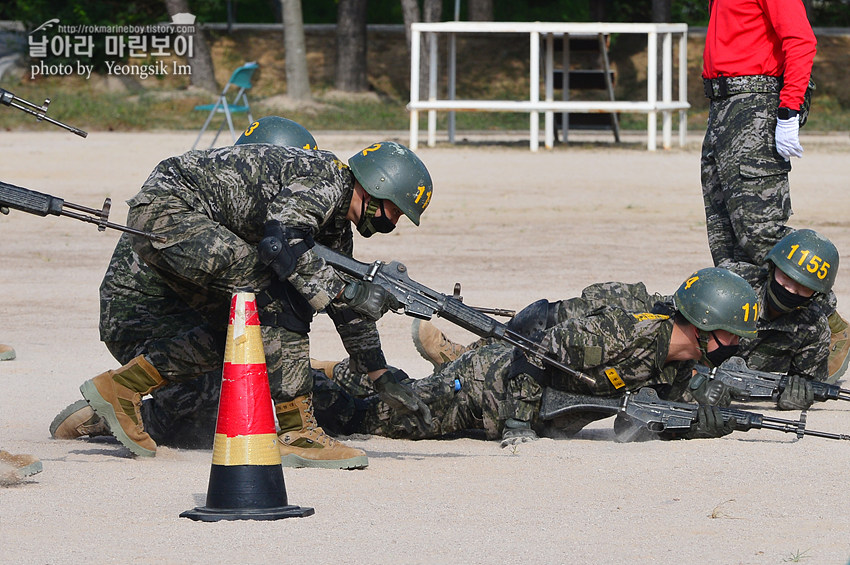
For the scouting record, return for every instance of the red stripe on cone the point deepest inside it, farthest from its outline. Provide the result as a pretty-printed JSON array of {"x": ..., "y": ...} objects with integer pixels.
[
  {"x": 245, "y": 405},
  {"x": 248, "y": 407}
]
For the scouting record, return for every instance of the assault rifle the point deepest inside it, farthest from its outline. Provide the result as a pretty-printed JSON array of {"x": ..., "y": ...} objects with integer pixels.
[
  {"x": 750, "y": 384},
  {"x": 419, "y": 301},
  {"x": 40, "y": 112},
  {"x": 41, "y": 204},
  {"x": 645, "y": 410}
]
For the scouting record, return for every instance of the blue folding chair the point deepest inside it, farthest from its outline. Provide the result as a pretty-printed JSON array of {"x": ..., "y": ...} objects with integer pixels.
[{"x": 241, "y": 79}]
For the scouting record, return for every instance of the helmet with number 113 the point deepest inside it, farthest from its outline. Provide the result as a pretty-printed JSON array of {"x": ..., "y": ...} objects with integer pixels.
[{"x": 717, "y": 299}]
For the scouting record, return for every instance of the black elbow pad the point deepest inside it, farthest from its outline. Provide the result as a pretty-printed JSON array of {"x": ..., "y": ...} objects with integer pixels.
[{"x": 276, "y": 251}]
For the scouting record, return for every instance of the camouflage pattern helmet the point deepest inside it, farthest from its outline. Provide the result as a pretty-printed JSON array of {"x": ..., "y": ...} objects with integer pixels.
[
  {"x": 808, "y": 258},
  {"x": 277, "y": 131},
  {"x": 717, "y": 299},
  {"x": 390, "y": 171}
]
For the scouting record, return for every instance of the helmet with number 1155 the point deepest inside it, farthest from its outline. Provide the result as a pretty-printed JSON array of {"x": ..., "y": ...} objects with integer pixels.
[
  {"x": 277, "y": 131},
  {"x": 808, "y": 258},
  {"x": 390, "y": 171},
  {"x": 717, "y": 299}
]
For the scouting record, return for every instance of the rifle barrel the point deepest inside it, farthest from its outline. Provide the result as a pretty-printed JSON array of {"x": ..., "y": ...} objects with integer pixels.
[
  {"x": 496, "y": 311},
  {"x": 798, "y": 427},
  {"x": 532, "y": 348},
  {"x": 40, "y": 112},
  {"x": 102, "y": 224},
  {"x": 825, "y": 434}
]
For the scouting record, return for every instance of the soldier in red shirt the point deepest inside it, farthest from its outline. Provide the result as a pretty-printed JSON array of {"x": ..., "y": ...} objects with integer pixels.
[{"x": 757, "y": 65}]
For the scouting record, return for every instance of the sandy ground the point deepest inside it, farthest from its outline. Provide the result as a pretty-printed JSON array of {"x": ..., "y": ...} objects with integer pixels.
[{"x": 512, "y": 226}]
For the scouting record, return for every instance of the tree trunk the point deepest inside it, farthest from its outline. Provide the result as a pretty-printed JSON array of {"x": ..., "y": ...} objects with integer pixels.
[
  {"x": 351, "y": 46},
  {"x": 295, "y": 51},
  {"x": 410, "y": 13},
  {"x": 661, "y": 11},
  {"x": 203, "y": 72},
  {"x": 480, "y": 10},
  {"x": 808, "y": 5},
  {"x": 431, "y": 12},
  {"x": 598, "y": 13}
]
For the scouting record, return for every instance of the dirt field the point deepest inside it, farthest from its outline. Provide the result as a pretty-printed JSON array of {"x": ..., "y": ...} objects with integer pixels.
[{"x": 512, "y": 226}]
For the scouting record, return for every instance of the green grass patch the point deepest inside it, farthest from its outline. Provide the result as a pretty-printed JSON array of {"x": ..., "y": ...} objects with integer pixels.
[{"x": 90, "y": 105}]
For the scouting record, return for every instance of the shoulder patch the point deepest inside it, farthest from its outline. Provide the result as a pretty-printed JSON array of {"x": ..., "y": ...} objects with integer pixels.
[
  {"x": 643, "y": 316},
  {"x": 614, "y": 377}
]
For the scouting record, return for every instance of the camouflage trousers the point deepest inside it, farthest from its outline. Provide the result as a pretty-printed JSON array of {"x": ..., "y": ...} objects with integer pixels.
[
  {"x": 475, "y": 392},
  {"x": 744, "y": 181},
  {"x": 183, "y": 412},
  {"x": 203, "y": 263}
]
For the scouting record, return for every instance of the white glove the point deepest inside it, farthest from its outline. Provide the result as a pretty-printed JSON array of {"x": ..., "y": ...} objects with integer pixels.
[{"x": 788, "y": 138}]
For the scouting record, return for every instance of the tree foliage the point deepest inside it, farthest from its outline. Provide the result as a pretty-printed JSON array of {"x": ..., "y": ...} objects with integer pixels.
[
  {"x": 86, "y": 12},
  {"x": 824, "y": 13}
]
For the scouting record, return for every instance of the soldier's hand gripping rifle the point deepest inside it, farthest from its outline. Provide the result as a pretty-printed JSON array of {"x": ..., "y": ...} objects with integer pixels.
[
  {"x": 41, "y": 204},
  {"x": 749, "y": 384},
  {"x": 40, "y": 112},
  {"x": 421, "y": 302},
  {"x": 644, "y": 409}
]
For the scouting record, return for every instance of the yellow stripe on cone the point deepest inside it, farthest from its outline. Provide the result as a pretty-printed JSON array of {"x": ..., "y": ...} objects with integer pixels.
[
  {"x": 258, "y": 449},
  {"x": 246, "y": 477}
]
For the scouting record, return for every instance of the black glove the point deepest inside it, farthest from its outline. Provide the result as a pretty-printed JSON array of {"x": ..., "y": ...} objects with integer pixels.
[
  {"x": 709, "y": 391},
  {"x": 402, "y": 399},
  {"x": 517, "y": 432},
  {"x": 709, "y": 424},
  {"x": 369, "y": 300},
  {"x": 798, "y": 394}
]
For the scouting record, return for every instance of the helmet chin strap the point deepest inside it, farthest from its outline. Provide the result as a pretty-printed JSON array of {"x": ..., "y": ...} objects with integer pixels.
[
  {"x": 702, "y": 338},
  {"x": 365, "y": 225}
]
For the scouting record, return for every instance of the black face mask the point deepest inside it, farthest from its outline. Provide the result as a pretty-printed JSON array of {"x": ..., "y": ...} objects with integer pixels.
[
  {"x": 370, "y": 224},
  {"x": 781, "y": 299},
  {"x": 718, "y": 356}
]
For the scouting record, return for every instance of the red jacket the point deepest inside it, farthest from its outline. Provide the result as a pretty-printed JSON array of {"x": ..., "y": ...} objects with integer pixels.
[{"x": 761, "y": 37}]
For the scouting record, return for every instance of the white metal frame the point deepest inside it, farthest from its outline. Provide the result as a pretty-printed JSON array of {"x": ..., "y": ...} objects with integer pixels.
[{"x": 534, "y": 105}]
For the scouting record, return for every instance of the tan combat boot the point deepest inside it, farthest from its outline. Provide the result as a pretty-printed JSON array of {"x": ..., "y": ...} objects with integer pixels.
[
  {"x": 6, "y": 353},
  {"x": 433, "y": 345},
  {"x": 839, "y": 347},
  {"x": 327, "y": 367},
  {"x": 78, "y": 420},
  {"x": 304, "y": 444},
  {"x": 13, "y": 468},
  {"x": 116, "y": 396}
]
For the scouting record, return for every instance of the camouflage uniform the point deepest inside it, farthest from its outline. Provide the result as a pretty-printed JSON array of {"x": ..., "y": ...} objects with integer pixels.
[
  {"x": 170, "y": 301},
  {"x": 618, "y": 349},
  {"x": 630, "y": 296},
  {"x": 796, "y": 342},
  {"x": 141, "y": 315},
  {"x": 744, "y": 180}
]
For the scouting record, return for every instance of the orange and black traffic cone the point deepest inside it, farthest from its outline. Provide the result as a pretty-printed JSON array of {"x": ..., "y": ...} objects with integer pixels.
[{"x": 246, "y": 478}]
